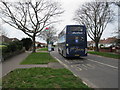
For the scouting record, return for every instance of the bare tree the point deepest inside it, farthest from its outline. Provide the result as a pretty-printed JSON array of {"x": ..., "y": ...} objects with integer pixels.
[
  {"x": 96, "y": 16},
  {"x": 30, "y": 17},
  {"x": 49, "y": 35},
  {"x": 118, "y": 30},
  {"x": 117, "y": 3}
]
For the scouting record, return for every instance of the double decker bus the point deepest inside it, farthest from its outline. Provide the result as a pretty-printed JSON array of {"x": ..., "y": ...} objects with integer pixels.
[{"x": 72, "y": 41}]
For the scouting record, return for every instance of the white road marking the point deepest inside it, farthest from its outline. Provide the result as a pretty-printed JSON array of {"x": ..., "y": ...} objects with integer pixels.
[
  {"x": 76, "y": 65},
  {"x": 85, "y": 83},
  {"x": 67, "y": 61},
  {"x": 103, "y": 64},
  {"x": 80, "y": 69},
  {"x": 90, "y": 66},
  {"x": 75, "y": 75},
  {"x": 77, "y": 68},
  {"x": 85, "y": 67},
  {"x": 61, "y": 63}
]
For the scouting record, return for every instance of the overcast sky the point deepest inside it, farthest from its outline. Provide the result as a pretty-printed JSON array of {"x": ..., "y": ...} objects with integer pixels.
[{"x": 70, "y": 6}]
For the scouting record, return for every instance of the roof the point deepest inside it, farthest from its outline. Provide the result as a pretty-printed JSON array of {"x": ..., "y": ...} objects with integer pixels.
[
  {"x": 108, "y": 40},
  {"x": 4, "y": 39},
  {"x": 14, "y": 39},
  {"x": 41, "y": 43},
  {"x": 7, "y": 39},
  {"x": 105, "y": 41}
]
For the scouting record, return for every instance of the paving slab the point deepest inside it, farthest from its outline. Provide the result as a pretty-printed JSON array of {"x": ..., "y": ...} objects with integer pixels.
[{"x": 55, "y": 65}]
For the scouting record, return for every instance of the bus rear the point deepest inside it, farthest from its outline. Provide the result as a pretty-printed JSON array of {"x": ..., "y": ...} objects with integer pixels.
[{"x": 76, "y": 41}]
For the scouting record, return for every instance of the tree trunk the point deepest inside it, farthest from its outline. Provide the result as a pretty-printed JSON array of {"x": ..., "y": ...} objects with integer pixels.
[
  {"x": 47, "y": 42},
  {"x": 96, "y": 46},
  {"x": 34, "y": 47}
]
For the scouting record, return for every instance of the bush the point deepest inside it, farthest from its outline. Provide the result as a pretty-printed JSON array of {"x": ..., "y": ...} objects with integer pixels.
[
  {"x": 13, "y": 46},
  {"x": 11, "y": 49},
  {"x": 27, "y": 43}
]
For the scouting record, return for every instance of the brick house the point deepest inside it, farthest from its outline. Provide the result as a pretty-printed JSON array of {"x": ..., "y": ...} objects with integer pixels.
[
  {"x": 4, "y": 39},
  {"x": 110, "y": 44},
  {"x": 104, "y": 42},
  {"x": 39, "y": 44},
  {"x": 7, "y": 40},
  {"x": 14, "y": 39}
]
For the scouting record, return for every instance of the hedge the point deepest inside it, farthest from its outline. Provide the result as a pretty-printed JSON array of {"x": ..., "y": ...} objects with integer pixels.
[{"x": 12, "y": 49}]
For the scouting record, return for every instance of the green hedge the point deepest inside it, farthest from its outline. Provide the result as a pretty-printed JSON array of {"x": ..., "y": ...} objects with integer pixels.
[{"x": 11, "y": 49}]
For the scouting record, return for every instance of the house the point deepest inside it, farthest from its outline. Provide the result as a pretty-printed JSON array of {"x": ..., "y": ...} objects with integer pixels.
[
  {"x": 6, "y": 39},
  {"x": 108, "y": 42},
  {"x": 39, "y": 44},
  {"x": 90, "y": 43},
  {"x": 14, "y": 39},
  {"x": 104, "y": 42}
]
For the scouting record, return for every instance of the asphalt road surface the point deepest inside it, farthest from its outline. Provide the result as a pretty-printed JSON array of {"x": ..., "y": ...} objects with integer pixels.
[{"x": 95, "y": 71}]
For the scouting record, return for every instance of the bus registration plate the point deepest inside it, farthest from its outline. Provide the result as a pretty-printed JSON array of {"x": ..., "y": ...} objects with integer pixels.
[{"x": 77, "y": 55}]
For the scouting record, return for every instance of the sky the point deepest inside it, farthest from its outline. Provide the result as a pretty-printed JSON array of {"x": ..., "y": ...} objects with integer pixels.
[{"x": 70, "y": 6}]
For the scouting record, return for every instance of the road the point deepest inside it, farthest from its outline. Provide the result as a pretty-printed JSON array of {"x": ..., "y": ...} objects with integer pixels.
[{"x": 95, "y": 71}]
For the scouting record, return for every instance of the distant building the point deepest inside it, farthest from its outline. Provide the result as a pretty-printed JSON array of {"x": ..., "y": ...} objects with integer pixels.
[
  {"x": 111, "y": 44},
  {"x": 14, "y": 39},
  {"x": 90, "y": 43},
  {"x": 39, "y": 44},
  {"x": 104, "y": 42},
  {"x": 4, "y": 39},
  {"x": 108, "y": 42},
  {"x": 7, "y": 40}
]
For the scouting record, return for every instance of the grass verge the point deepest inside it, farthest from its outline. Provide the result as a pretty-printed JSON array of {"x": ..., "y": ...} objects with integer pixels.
[
  {"x": 0, "y": 82},
  {"x": 39, "y": 58},
  {"x": 105, "y": 54},
  {"x": 43, "y": 49},
  {"x": 42, "y": 78}
]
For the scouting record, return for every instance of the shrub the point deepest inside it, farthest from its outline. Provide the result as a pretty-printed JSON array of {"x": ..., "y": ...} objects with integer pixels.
[
  {"x": 27, "y": 43},
  {"x": 11, "y": 48}
]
